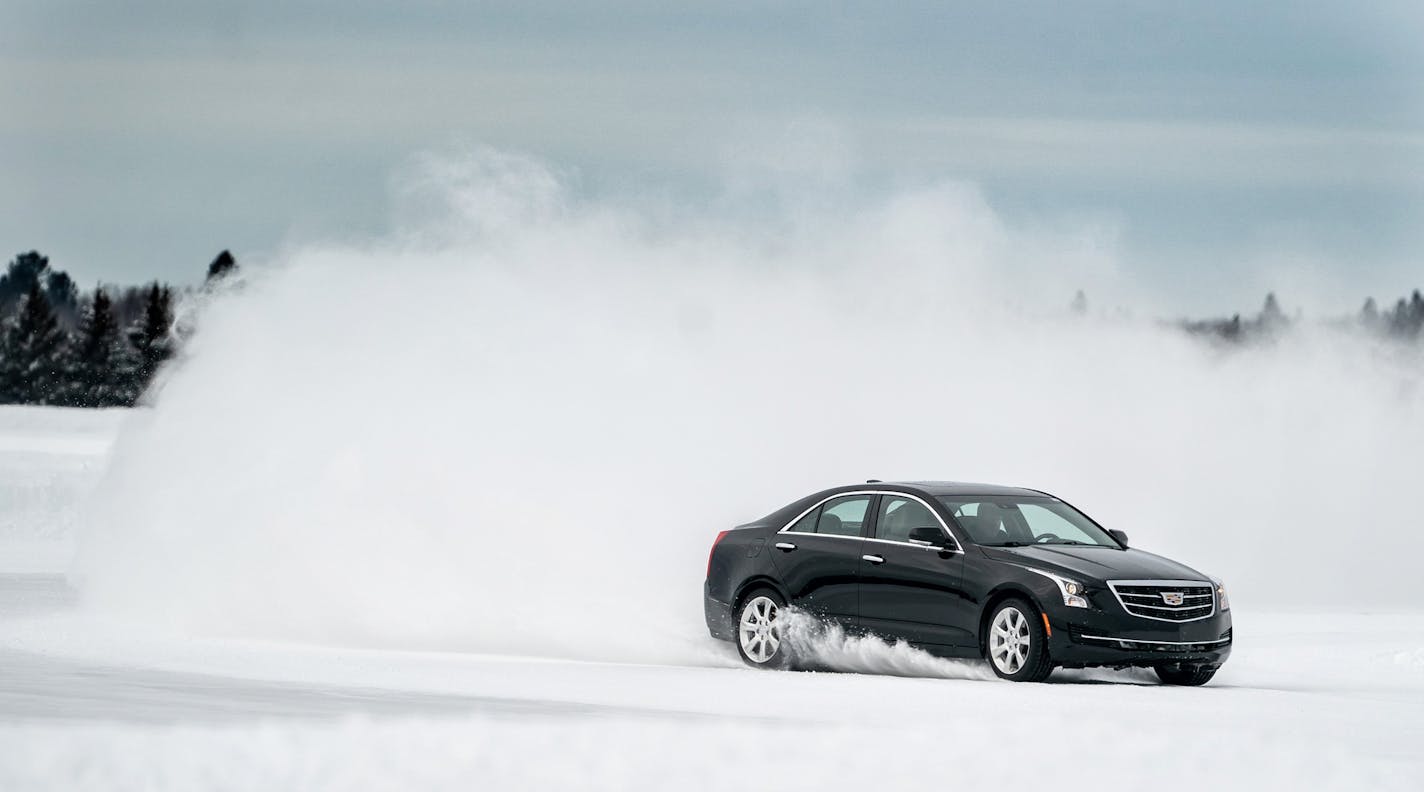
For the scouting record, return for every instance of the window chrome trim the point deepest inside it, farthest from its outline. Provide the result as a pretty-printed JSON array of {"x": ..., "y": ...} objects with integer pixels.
[
  {"x": 1156, "y": 643},
  {"x": 958, "y": 548},
  {"x": 1113, "y": 584}
]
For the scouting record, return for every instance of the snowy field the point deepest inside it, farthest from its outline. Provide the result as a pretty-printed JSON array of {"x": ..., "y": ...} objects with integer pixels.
[
  {"x": 1329, "y": 700},
  {"x": 49, "y": 461}
]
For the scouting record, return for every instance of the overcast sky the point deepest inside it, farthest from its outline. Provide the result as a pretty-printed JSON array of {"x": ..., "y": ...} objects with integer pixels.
[{"x": 1234, "y": 146}]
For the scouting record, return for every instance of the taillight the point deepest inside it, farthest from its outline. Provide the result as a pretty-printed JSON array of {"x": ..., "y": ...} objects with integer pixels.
[{"x": 715, "y": 542}]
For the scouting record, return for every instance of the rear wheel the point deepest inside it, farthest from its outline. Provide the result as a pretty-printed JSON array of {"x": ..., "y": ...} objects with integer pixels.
[
  {"x": 759, "y": 638},
  {"x": 1184, "y": 674},
  {"x": 1017, "y": 645}
]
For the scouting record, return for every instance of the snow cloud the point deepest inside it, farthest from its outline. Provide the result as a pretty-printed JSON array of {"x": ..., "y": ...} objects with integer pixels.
[{"x": 515, "y": 425}]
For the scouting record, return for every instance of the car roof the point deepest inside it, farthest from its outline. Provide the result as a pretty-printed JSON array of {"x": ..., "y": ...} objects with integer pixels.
[{"x": 956, "y": 488}]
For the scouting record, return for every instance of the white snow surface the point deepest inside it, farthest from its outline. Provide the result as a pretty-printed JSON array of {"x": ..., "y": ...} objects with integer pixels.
[
  {"x": 50, "y": 459},
  {"x": 1320, "y": 700},
  {"x": 1308, "y": 702}
]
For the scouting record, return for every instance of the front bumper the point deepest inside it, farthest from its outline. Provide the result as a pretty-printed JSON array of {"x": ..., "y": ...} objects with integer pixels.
[{"x": 1090, "y": 637}]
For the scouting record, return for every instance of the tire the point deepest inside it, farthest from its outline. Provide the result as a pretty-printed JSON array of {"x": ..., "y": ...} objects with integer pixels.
[
  {"x": 758, "y": 635},
  {"x": 1184, "y": 674},
  {"x": 1015, "y": 643}
]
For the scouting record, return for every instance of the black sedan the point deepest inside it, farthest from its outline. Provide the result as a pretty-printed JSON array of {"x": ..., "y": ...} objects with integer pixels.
[{"x": 1015, "y": 576}]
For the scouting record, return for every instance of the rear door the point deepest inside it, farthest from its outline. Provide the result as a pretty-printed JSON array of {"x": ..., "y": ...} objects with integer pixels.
[
  {"x": 909, "y": 590},
  {"x": 818, "y": 556}
]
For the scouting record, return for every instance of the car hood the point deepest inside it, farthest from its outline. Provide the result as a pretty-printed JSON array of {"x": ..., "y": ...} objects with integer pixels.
[{"x": 1096, "y": 563}]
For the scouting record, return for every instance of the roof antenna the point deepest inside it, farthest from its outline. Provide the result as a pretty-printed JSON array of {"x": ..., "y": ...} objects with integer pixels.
[{"x": 874, "y": 481}]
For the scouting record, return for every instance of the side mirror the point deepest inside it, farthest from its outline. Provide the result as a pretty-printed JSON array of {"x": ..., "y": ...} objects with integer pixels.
[
  {"x": 929, "y": 536},
  {"x": 1120, "y": 536}
]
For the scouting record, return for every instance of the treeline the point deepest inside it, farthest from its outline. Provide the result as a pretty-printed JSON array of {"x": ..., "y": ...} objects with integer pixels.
[
  {"x": 1404, "y": 322},
  {"x": 63, "y": 346}
]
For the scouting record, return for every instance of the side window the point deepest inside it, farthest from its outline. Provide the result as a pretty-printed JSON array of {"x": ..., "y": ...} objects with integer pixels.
[
  {"x": 983, "y": 521},
  {"x": 900, "y": 516},
  {"x": 843, "y": 516},
  {"x": 807, "y": 524},
  {"x": 1041, "y": 522}
]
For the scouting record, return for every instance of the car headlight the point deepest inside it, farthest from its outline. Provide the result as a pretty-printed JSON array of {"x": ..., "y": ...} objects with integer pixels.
[
  {"x": 1071, "y": 590},
  {"x": 1222, "y": 603}
]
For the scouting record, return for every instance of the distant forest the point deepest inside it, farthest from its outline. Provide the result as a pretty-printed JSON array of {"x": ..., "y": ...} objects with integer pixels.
[
  {"x": 63, "y": 346},
  {"x": 1404, "y": 322}
]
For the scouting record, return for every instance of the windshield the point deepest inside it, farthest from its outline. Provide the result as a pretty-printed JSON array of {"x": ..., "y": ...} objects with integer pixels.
[{"x": 1019, "y": 522}]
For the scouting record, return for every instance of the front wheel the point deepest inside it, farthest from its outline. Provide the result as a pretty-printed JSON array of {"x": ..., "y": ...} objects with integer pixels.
[
  {"x": 760, "y": 640},
  {"x": 1017, "y": 644},
  {"x": 1184, "y": 674}
]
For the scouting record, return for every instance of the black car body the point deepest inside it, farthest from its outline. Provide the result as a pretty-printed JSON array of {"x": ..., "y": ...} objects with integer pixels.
[{"x": 931, "y": 563}]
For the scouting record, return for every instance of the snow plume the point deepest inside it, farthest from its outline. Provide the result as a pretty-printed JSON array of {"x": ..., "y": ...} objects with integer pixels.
[
  {"x": 515, "y": 424},
  {"x": 817, "y": 645}
]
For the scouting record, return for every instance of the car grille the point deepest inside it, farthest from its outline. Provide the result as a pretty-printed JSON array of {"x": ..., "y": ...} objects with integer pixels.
[{"x": 1166, "y": 600}]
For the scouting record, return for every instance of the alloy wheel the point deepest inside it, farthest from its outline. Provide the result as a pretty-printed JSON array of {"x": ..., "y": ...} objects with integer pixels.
[
  {"x": 759, "y": 633},
  {"x": 1009, "y": 640}
]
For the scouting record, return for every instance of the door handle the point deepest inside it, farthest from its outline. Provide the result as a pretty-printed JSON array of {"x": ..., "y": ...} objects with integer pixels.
[
  {"x": 786, "y": 546},
  {"x": 874, "y": 559}
]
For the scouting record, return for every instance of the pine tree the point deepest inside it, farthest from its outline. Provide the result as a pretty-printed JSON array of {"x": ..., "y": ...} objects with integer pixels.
[
  {"x": 63, "y": 296},
  {"x": 1399, "y": 319},
  {"x": 222, "y": 266},
  {"x": 31, "y": 361},
  {"x": 22, "y": 275},
  {"x": 1369, "y": 315},
  {"x": 151, "y": 336},
  {"x": 1271, "y": 312},
  {"x": 1231, "y": 331},
  {"x": 96, "y": 367}
]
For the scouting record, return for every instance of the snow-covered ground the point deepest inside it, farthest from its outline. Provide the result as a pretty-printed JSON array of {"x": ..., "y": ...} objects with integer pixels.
[
  {"x": 49, "y": 460},
  {"x": 1308, "y": 701}
]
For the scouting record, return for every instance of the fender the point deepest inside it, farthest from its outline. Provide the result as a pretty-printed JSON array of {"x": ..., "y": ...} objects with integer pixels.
[
  {"x": 998, "y": 594},
  {"x": 756, "y": 582}
]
